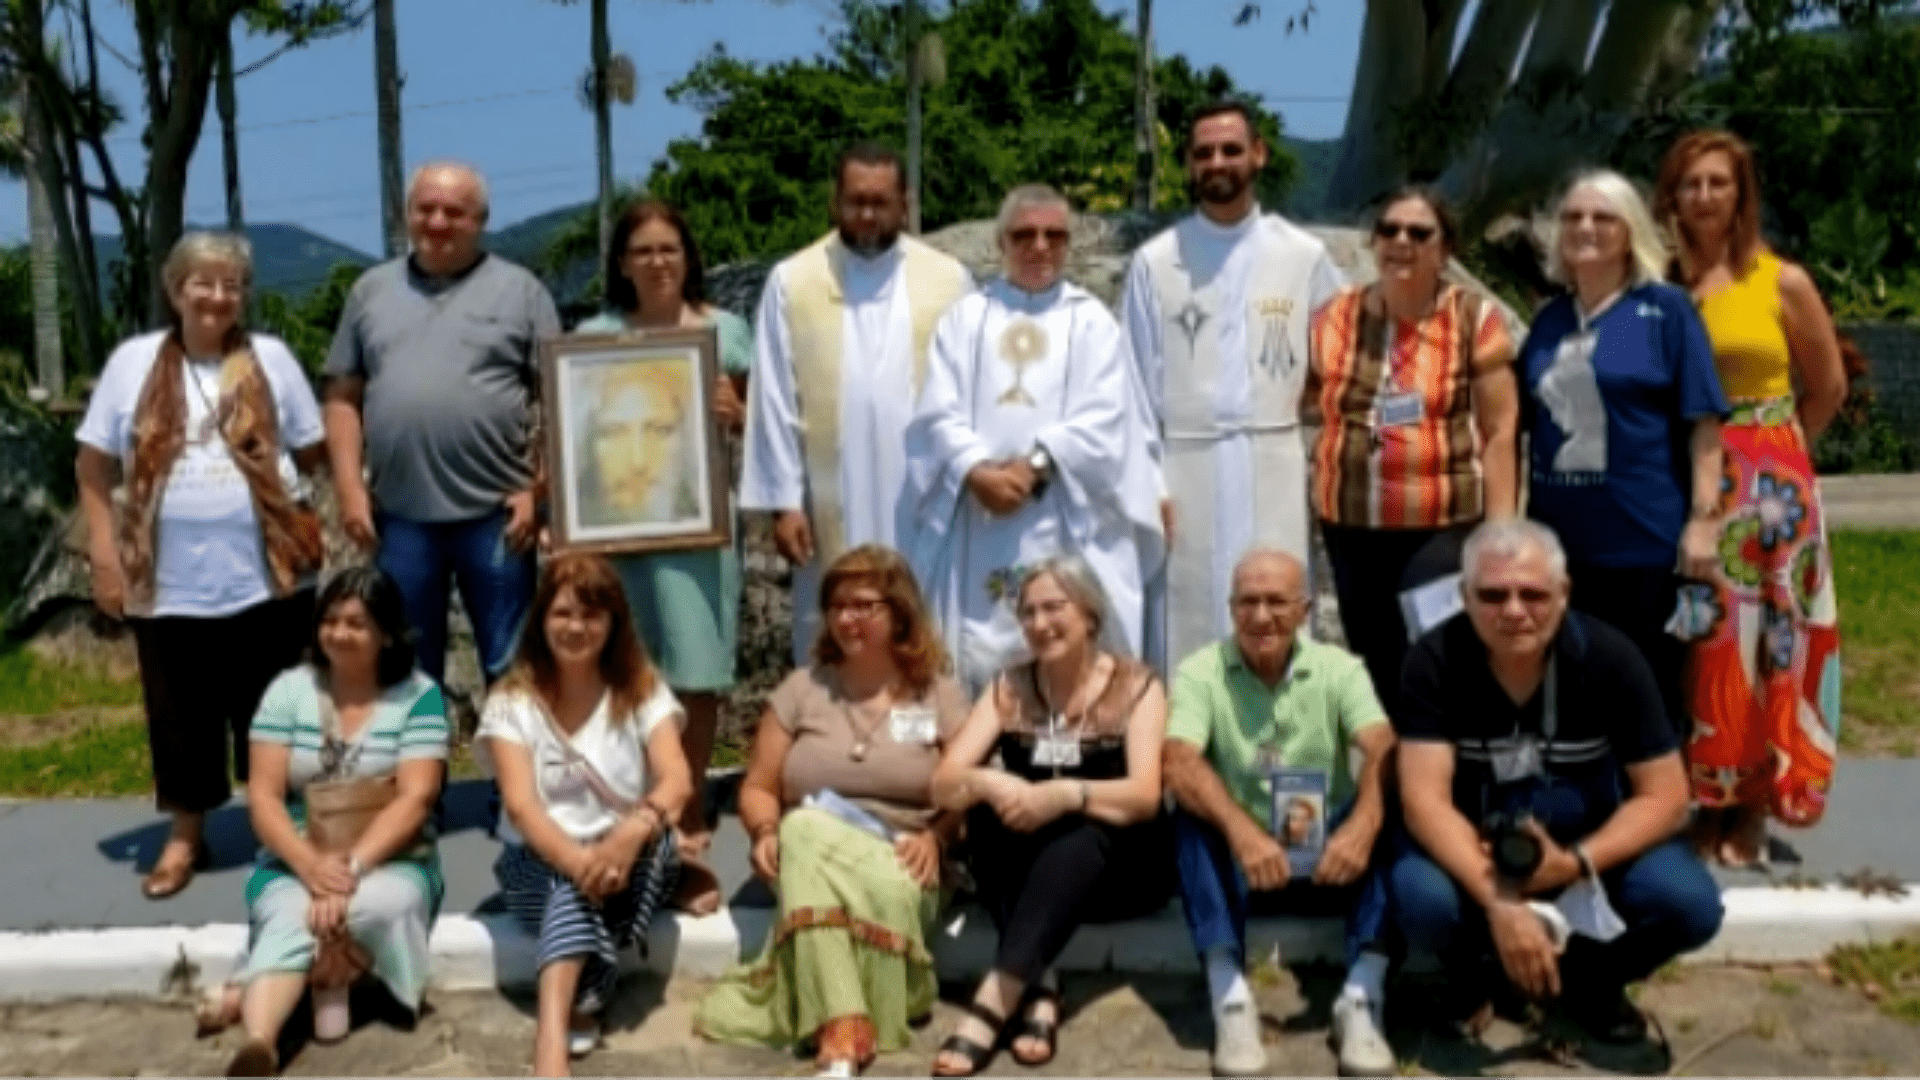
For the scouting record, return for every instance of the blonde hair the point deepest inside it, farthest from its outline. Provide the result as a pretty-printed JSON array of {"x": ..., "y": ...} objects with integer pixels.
[
  {"x": 1647, "y": 253},
  {"x": 204, "y": 246}
]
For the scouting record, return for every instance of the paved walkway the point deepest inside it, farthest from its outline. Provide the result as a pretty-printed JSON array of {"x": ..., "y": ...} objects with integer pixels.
[
  {"x": 75, "y": 860},
  {"x": 1889, "y": 501}
]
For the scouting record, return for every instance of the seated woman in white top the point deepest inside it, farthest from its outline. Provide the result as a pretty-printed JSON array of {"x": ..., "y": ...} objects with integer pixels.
[{"x": 584, "y": 737}]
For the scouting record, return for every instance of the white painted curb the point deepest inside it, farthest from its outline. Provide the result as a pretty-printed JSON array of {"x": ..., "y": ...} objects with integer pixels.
[{"x": 472, "y": 952}]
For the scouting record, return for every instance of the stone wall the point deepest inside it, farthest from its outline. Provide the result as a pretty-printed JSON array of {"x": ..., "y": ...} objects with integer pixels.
[{"x": 1893, "y": 351}]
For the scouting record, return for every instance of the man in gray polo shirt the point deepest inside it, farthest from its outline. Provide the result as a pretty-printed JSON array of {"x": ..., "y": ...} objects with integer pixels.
[{"x": 433, "y": 382}]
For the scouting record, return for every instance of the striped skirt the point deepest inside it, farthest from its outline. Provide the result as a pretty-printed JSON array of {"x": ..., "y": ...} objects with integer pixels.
[{"x": 569, "y": 925}]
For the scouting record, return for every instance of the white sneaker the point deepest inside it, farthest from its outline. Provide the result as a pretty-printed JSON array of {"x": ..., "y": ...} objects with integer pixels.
[
  {"x": 583, "y": 1036},
  {"x": 1358, "y": 1041},
  {"x": 1236, "y": 1041}
]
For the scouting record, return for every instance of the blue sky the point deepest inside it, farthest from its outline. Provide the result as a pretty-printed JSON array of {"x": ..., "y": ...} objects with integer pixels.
[{"x": 494, "y": 82}]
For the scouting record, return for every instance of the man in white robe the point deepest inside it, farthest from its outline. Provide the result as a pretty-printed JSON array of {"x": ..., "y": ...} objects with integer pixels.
[
  {"x": 1025, "y": 446},
  {"x": 1216, "y": 312},
  {"x": 839, "y": 357}
]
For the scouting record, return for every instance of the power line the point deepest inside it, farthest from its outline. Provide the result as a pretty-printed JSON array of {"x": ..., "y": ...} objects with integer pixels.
[{"x": 300, "y": 121}]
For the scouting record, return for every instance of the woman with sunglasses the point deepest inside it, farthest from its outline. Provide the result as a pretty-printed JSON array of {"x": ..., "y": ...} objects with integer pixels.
[
  {"x": 1624, "y": 409},
  {"x": 1768, "y": 728},
  {"x": 1413, "y": 377},
  {"x": 836, "y": 801}
]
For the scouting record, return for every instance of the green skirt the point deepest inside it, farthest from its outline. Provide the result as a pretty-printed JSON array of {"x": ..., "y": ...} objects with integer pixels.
[
  {"x": 686, "y": 607},
  {"x": 851, "y": 941}
]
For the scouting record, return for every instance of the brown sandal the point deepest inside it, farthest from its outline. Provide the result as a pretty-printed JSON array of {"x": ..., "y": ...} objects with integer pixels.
[
  {"x": 254, "y": 1058},
  {"x": 163, "y": 881}
]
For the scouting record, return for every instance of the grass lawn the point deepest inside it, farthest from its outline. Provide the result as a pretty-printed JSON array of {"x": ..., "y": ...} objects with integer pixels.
[
  {"x": 69, "y": 729},
  {"x": 1878, "y": 575}
]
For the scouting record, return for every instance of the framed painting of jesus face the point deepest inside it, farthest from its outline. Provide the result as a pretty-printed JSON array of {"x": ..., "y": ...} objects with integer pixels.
[{"x": 634, "y": 455}]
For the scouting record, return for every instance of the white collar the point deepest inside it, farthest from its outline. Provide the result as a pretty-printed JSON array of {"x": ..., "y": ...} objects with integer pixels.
[{"x": 1236, "y": 231}]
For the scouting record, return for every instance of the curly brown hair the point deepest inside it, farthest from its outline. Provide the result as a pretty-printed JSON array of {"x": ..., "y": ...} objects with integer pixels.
[
  {"x": 917, "y": 651},
  {"x": 624, "y": 666},
  {"x": 1744, "y": 242}
]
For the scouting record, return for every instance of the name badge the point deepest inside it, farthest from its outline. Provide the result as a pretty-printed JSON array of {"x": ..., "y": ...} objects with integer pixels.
[
  {"x": 1521, "y": 761},
  {"x": 1400, "y": 410},
  {"x": 1056, "y": 752},
  {"x": 913, "y": 725}
]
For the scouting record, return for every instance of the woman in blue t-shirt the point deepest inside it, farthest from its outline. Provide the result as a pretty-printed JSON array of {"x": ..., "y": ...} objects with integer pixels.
[{"x": 1624, "y": 405}]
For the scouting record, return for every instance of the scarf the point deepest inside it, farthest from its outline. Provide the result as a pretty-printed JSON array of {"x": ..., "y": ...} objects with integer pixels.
[{"x": 247, "y": 420}]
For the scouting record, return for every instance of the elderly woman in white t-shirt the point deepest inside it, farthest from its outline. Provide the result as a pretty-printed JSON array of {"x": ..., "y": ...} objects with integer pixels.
[
  {"x": 212, "y": 551},
  {"x": 584, "y": 737}
]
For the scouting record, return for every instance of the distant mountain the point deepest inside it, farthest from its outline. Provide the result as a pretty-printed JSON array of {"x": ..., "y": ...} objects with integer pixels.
[
  {"x": 1317, "y": 159},
  {"x": 286, "y": 258}
]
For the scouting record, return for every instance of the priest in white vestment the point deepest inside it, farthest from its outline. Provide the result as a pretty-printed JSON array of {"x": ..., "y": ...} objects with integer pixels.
[
  {"x": 1216, "y": 312},
  {"x": 1026, "y": 446},
  {"x": 840, "y": 354}
]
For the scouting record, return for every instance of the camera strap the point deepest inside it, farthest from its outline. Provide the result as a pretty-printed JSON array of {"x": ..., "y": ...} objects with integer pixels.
[{"x": 1526, "y": 755}]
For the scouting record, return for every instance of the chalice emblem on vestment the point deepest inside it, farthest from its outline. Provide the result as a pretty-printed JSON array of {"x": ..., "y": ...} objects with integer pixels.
[{"x": 1022, "y": 344}]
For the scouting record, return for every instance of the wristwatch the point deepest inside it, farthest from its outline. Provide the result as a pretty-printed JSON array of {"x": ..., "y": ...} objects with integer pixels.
[{"x": 1041, "y": 463}]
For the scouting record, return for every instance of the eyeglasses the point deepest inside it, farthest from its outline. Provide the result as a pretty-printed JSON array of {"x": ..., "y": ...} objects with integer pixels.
[
  {"x": 859, "y": 609},
  {"x": 1252, "y": 604},
  {"x": 1025, "y": 236},
  {"x": 1492, "y": 597},
  {"x": 1392, "y": 230},
  {"x": 648, "y": 253},
  {"x": 1226, "y": 151},
  {"x": 1601, "y": 219}
]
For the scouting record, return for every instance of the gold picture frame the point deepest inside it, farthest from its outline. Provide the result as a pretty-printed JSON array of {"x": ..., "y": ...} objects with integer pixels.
[{"x": 634, "y": 458}]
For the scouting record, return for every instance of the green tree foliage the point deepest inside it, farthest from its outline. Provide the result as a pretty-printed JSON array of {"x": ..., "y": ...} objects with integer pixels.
[
  {"x": 1033, "y": 90},
  {"x": 1825, "y": 90},
  {"x": 306, "y": 323}
]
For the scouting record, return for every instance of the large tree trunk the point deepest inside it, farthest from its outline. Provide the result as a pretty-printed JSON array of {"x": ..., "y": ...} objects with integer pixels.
[
  {"x": 1565, "y": 112},
  {"x": 227, "y": 105},
  {"x": 174, "y": 123},
  {"x": 603, "y": 123},
  {"x": 911, "y": 13},
  {"x": 1478, "y": 78},
  {"x": 1399, "y": 42},
  {"x": 1146, "y": 141},
  {"x": 49, "y": 359},
  {"x": 387, "y": 83}
]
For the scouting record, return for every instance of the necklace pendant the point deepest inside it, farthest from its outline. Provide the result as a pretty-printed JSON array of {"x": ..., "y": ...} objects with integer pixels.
[{"x": 859, "y": 751}]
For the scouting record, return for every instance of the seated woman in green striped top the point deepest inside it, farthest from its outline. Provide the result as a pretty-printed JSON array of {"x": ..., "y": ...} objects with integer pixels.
[{"x": 357, "y": 709}]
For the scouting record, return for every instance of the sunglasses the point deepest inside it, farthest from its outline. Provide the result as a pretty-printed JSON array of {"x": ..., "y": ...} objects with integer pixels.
[
  {"x": 1392, "y": 230},
  {"x": 1531, "y": 597},
  {"x": 859, "y": 609},
  {"x": 1027, "y": 234},
  {"x": 1227, "y": 152}
]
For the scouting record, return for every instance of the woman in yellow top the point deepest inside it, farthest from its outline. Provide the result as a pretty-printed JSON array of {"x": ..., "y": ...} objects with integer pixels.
[{"x": 1765, "y": 695}]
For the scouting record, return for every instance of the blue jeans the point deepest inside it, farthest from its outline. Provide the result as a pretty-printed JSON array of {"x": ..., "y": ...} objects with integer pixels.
[
  {"x": 1216, "y": 900},
  {"x": 1668, "y": 901},
  {"x": 496, "y": 584}
]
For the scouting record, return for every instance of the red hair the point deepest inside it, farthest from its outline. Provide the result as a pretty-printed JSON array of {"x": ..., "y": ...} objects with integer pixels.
[
  {"x": 916, "y": 647},
  {"x": 623, "y": 660},
  {"x": 1743, "y": 240}
]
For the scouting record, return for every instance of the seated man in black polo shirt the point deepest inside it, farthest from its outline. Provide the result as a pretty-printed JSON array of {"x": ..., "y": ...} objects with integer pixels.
[{"x": 1524, "y": 714}]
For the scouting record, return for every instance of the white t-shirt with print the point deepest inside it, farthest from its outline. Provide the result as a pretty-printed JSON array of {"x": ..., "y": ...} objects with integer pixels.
[
  {"x": 618, "y": 752},
  {"x": 209, "y": 559}
]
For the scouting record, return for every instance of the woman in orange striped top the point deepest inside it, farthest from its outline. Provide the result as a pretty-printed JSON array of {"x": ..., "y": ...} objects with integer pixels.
[
  {"x": 1765, "y": 693},
  {"x": 1414, "y": 383}
]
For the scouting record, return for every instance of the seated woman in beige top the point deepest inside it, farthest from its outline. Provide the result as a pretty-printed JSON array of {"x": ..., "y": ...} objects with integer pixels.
[{"x": 836, "y": 800}]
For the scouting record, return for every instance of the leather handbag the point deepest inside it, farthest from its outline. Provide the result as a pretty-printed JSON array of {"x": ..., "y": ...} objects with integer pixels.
[{"x": 339, "y": 810}]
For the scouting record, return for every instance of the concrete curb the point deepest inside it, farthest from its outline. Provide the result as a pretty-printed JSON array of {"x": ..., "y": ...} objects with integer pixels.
[{"x": 473, "y": 952}]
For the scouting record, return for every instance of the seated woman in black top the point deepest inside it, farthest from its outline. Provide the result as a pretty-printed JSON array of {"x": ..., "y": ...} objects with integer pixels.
[{"x": 1071, "y": 829}]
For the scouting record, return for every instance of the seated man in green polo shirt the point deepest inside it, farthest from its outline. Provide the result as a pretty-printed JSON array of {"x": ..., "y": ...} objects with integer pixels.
[{"x": 1259, "y": 731}]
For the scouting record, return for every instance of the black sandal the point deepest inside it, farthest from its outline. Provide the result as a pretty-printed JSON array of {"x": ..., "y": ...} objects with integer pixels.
[
  {"x": 1047, "y": 1031},
  {"x": 977, "y": 1056}
]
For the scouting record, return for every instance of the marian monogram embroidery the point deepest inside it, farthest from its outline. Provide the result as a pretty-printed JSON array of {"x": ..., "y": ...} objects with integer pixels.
[
  {"x": 1190, "y": 319},
  {"x": 1276, "y": 353}
]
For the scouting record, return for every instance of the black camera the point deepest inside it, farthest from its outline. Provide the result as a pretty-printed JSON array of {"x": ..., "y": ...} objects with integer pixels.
[{"x": 1516, "y": 850}]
